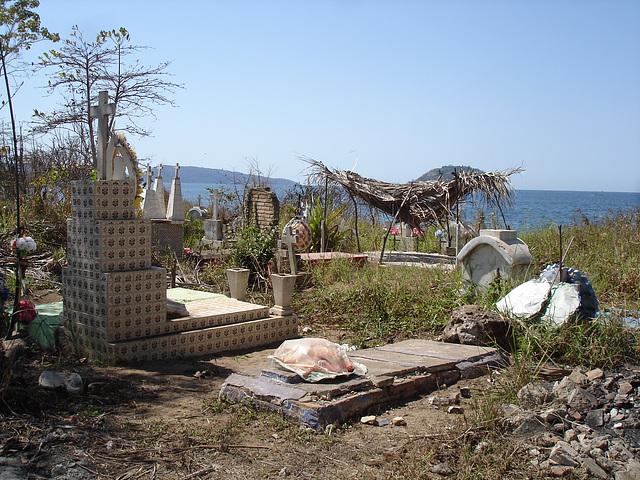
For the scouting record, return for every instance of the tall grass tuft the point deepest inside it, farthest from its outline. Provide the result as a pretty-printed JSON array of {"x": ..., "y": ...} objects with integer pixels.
[{"x": 380, "y": 304}]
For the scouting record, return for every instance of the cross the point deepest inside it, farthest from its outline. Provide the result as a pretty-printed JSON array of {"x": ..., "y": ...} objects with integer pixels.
[
  {"x": 177, "y": 167},
  {"x": 199, "y": 197},
  {"x": 102, "y": 111},
  {"x": 159, "y": 171},
  {"x": 289, "y": 240}
]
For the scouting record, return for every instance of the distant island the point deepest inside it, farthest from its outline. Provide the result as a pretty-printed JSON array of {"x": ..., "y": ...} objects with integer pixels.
[
  {"x": 446, "y": 171},
  {"x": 216, "y": 176}
]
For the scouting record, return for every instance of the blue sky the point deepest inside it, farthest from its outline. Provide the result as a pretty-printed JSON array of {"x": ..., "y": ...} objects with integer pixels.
[{"x": 403, "y": 86}]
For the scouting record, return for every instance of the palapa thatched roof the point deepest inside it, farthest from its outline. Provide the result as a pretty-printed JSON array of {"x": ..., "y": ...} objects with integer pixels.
[{"x": 421, "y": 202}]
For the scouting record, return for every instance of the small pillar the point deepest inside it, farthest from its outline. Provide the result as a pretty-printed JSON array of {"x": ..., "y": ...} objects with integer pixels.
[
  {"x": 238, "y": 281},
  {"x": 283, "y": 285},
  {"x": 495, "y": 253}
]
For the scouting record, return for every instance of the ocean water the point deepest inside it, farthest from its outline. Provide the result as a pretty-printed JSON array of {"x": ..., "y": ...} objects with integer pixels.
[
  {"x": 535, "y": 208},
  {"x": 531, "y": 208}
]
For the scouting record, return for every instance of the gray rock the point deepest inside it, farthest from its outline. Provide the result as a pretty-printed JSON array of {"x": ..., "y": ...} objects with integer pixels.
[
  {"x": 560, "y": 470},
  {"x": 581, "y": 400},
  {"x": 532, "y": 395},
  {"x": 594, "y": 469},
  {"x": 570, "y": 435},
  {"x": 12, "y": 473},
  {"x": 625, "y": 388},
  {"x": 71, "y": 382},
  {"x": 595, "y": 418},
  {"x": 632, "y": 471},
  {"x": 473, "y": 325},
  {"x": 525, "y": 424},
  {"x": 562, "y": 389},
  {"x": 564, "y": 454},
  {"x": 444, "y": 401},
  {"x": 442, "y": 469},
  {"x": 547, "y": 439}
]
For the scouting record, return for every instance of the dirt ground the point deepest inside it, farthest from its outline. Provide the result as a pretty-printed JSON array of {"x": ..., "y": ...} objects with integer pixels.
[{"x": 163, "y": 420}]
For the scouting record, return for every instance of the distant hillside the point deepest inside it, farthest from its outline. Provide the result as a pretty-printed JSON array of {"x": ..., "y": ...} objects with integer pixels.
[
  {"x": 215, "y": 176},
  {"x": 446, "y": 171}
]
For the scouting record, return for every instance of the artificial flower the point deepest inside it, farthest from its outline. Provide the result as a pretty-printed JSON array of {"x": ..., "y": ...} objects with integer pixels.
[{"x": 27, "y": 312}]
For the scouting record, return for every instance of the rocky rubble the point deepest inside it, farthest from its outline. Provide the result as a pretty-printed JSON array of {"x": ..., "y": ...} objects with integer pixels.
[{"x": 587, "y": 422}]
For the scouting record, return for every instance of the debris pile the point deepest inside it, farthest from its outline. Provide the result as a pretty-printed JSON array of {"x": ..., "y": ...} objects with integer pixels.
[
  {"x": 557, "y": 295},
  {"x": 586, "y": 420}
]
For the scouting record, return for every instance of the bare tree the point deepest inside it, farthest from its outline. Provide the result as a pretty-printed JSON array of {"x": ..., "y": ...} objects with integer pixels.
[{"x": 80, "y": 68}]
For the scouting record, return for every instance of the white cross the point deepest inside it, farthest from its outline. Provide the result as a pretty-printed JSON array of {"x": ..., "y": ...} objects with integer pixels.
[
  {"x": 289, "y": 241},
  {"x": 177, "y": 167},
  {"x": 102, "y": 111},
  {"x": 159, "y": 171},
  {"x": 199, "y": 197}
]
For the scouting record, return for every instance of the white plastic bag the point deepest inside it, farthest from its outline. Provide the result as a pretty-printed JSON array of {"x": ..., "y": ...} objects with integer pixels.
[{"x": 316, "y": 359}]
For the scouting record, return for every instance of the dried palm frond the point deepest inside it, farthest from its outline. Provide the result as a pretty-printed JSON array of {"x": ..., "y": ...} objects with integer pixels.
[{"x": 420, "y": 202}]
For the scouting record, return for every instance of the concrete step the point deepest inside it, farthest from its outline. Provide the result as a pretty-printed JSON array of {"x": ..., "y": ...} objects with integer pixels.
[{"x": 207, "y": 340}]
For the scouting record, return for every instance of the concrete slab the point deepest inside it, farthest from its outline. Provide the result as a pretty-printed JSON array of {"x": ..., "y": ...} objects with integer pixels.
[
  {"x": 394, "y": 372},
  {"x": 430, "y": 348}
]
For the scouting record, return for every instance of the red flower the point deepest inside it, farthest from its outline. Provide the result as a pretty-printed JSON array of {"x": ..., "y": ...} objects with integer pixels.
[
  {"x": 27, "y": 312},
  {"x": 394, "y": 231}
]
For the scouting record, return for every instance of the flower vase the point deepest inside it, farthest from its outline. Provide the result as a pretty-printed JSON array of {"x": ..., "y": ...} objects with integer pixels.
[
  {"x": 283, "y": 285},
  {"x": 238, "y": 281}
]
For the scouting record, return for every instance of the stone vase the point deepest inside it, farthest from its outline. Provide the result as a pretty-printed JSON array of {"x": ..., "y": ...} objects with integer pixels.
[
  {"x": 238, "y": 280},
  {"x": 283, "y": 285}
]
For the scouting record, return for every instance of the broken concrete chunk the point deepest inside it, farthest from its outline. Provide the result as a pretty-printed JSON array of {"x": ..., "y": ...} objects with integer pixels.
[
  {"x": 625, "y": 388},
  {"x": 595, "y": 374},
  {"x": 456, "y": 410},
  {"x": 560, "y": 470},
  {"x": 368, "y": 419},
  {"x": 398, "y": 421}
]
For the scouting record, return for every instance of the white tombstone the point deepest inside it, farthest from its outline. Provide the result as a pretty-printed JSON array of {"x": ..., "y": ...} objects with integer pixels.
[
  {"x": 151, "y": 205},
  {"x": 158, "y": 187},
  {"x": 213, "y": 227},
  {"x": 494, "y": 254},
  {"x": 175, "y": 207}
]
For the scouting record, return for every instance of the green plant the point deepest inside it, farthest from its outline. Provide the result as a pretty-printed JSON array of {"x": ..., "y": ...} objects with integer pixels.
[
  {"x": 333, "y": 235},
  {"x": 193, "y": 233},
  {"x": 254, "y": 248}
]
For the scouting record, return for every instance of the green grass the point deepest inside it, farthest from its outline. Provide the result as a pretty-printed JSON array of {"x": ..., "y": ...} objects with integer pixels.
[{"x": 374, "y": 304}]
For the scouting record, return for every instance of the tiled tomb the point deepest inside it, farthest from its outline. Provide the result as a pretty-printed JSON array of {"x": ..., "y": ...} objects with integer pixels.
[{"x": 115, "y": 301}]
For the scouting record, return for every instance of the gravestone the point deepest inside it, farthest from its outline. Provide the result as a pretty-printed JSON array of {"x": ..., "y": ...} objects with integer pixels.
[
  {"x": 495, "y": 254},
  {"x": 158, "y": 187},
  {"x": 152, "y": 205},
  {"x": 115, "y": 301},
  {"x": 213, "y": 227},
  {"x": 197, "y": 212},
  {"x": 262, "y": 207},
  {"x": 168, "y": 233}
]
